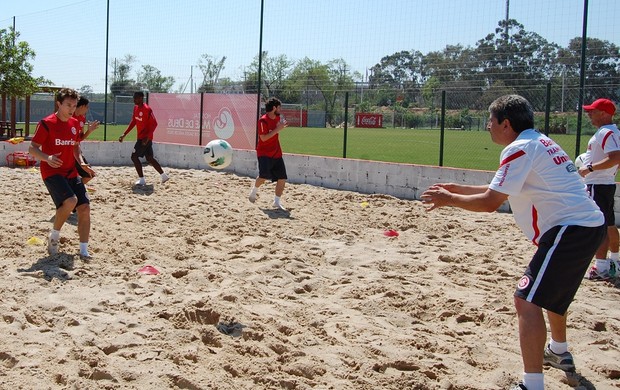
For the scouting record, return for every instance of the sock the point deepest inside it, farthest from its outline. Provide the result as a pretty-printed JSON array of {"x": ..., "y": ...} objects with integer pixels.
[
  {"x": 557, "y": 347},
  {"x": 276, "y": 200},
  {"x": 253, "y": 191},
  {"x": 602, "y": 265},
  {"x": 55, "y": 235},
  {"x": 534, "y": 381},
  {"x": 84, "y": 249},
  {"x": 613, "y": 256}
]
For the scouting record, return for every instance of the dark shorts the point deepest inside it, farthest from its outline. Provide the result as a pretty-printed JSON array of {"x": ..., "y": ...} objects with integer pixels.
[
  {"x": 142, "y": 150},
  {"x": 603, "y": 195},
  {"x": 81, "y": 170},
  {"x": 271, "y": 168},
  {"x": 61, "y": 189},
  {"x": 557, "y": 268}
]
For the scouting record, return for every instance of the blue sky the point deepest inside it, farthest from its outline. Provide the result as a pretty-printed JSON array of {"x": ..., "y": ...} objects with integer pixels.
[{"x": 69, "y": 35}]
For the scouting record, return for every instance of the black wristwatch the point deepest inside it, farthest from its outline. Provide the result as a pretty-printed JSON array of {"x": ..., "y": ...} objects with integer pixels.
[{"x": 589, "y": 166}]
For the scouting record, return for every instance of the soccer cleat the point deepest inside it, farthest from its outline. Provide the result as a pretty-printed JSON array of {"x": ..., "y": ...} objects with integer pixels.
[
  {"x": 140, "y": 182},
  {"x": 518, "y": 386},
  {"x": 85, "y": 257},
  {"x": 595, "y": 275},
  {"x": 164, "y": 178},
  {"x": 562, "y": 361},
  {"x": 52, "y": 247}
]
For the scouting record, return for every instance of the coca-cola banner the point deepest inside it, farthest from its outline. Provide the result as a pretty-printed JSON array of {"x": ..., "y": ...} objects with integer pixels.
[
  {"x": 363, "y": 119},
  {"x": 229, "y": 117}
]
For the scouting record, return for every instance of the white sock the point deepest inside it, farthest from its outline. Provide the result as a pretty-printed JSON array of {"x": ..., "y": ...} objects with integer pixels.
[
  {"x": 602, "y": 265},
  {"x": 613, "y": 256},
  {"x": 557, "y": 347},
  {"x": 253, "y": 191},
  {"x": 84, "y": 249},
  {"x": 55, "y": 235},
  {"x": 276, "y": 200},
  {"x": 534, "y": 381}
]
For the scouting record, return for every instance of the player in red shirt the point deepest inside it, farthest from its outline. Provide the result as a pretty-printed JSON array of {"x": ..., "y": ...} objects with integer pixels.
[
  {"x": 87, "y": 173},
  {"x": 144, "y": 120},
  {"x": 56, "y": 145},
  {"x": 269, "y": 153}
]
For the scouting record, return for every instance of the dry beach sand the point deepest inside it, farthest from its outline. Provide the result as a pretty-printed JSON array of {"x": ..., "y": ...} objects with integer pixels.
[{"x": 252, "y": 298}]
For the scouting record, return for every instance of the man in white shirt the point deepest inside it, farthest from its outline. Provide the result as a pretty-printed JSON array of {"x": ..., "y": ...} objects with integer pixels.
[
  {"x": 601, "y": 165},
  {"x": 551, "y": 206}
]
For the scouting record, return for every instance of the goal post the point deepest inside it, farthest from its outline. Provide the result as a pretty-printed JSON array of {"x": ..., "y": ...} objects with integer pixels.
[{"x": 294, "y": 114}]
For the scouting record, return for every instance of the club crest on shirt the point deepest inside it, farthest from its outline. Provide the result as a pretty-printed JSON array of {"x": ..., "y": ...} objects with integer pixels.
[
  {"x": 73, "y": 130},
  {"x": 523, "y": 282}
]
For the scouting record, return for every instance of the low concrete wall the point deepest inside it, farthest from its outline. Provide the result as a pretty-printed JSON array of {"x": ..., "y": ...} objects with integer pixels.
[{"x": 405, "y": 181}]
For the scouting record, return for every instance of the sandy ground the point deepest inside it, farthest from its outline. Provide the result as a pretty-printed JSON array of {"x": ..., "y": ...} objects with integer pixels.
[{"x": 248, "y": 297}]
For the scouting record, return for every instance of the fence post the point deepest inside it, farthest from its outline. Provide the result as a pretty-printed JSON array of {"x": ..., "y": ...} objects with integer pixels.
[
  {"x": 547, "y": 108},
  {"x": 442, "y": 129},
  {"x": 202, "y": 97},
  {"x": 346, "y": 124}
]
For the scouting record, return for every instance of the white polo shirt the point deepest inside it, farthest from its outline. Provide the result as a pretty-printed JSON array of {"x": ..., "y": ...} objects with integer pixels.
[
  {"x": 543, "y": 186},
  {"x": 605, "y": 140}
]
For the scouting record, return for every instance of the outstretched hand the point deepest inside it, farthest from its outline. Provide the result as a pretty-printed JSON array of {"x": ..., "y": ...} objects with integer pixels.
[{"x": 436, "y": 196}]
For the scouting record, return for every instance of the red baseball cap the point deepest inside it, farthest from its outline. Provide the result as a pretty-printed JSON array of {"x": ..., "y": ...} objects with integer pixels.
[{"x": 604, "y": 105}]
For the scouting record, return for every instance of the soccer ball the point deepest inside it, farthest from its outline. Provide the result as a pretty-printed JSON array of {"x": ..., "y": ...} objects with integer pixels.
[
  {"x": 218, "y": 154},
  {"x": 580, "y": 161}
]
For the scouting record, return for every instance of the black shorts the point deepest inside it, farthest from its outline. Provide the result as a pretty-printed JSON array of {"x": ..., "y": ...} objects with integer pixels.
[
  {"x": 61, "y": 189},
  {"x": 81, "y": 170},
  {"x": 603, "y": 195},
  {"x": 271, "y": 168},
  {"x": 557, "y": 268},
  {"x": 142, "y": 150}
]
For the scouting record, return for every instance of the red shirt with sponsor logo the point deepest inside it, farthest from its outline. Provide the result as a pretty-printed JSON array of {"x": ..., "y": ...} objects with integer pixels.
[
  {"x": 271, "y": 147},
  {"x": 58, "y": 137},
  {"x": 543, "y": 186},
  {"x": 144, "y": 120}
]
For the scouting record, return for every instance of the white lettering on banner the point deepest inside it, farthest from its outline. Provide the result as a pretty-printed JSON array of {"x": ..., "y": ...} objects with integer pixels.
[
  {"x": 369, "y": 120},
  {"x": 64, "y": 142}
]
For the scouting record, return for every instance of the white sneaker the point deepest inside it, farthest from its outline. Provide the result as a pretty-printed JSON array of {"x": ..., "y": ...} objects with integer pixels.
[
  {"x": 140, "y": 182},
  {"x": 279, "y": 206},
  {"x": 164, "y": 178},
  {"x": 52, "y": 246}
]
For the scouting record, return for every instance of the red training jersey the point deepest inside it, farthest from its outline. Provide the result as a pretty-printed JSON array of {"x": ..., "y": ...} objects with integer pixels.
[
  {"x": 81, "y": 123},
  {"x": 144, "y": 120},
  {"x": 271, "y": 147},
  {"x": 58, "y": 137}
]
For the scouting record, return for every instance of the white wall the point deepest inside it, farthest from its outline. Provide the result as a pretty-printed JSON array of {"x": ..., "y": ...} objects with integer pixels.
[{"x": 405, "y": 181}]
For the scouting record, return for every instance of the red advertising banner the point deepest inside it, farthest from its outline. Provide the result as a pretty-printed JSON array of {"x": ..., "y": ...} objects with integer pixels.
[
  {"x": 363, "y": 119},
  {"x": 295, "y": 118},
  {"x": 229, "y": 117}
]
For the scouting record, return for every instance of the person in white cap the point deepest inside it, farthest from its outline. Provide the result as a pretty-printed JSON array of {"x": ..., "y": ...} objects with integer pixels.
[{"x": 599, "y": 173}]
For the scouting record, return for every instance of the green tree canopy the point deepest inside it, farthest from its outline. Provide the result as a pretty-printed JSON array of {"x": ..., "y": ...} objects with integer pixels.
[{"x": 16, "y": 78}]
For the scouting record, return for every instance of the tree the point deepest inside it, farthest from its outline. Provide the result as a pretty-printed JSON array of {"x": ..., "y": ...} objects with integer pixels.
[
  {"x": 519, "y": 59},
  {"x": 121, "y": 83},
  {"x": 150, "y": 78},
  {"x": 86, "y": 90},
  {"x": 210, "y": 68},
  {"x": 602, "y": 69},
  {"x": 275, "y": 72},
  {"x": 16, "y": 78}
]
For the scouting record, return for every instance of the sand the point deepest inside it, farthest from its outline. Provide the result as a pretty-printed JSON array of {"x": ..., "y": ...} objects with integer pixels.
[{"x": 248, "y": 297}]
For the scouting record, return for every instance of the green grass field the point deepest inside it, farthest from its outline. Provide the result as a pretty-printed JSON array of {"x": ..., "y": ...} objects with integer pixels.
[{"x": 462, "y": 149}]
